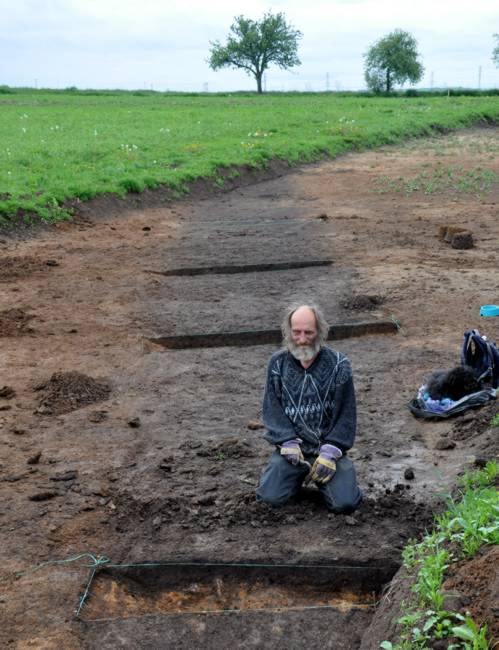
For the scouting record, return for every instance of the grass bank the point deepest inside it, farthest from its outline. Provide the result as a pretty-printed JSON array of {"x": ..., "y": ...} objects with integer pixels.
[
  {"x": 469, "y": 525},
  {"x": 57, "y": 147}
]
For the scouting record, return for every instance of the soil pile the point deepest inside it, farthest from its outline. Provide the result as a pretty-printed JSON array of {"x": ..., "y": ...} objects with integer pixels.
[
  {"x": 67, "y": 391},
  {"x": 14, "y": 322},
  {"x": 362, "y": 302}
]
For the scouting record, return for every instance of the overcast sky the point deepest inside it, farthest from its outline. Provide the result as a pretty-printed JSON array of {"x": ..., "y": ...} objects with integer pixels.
[{"x": 163, "y": 44}]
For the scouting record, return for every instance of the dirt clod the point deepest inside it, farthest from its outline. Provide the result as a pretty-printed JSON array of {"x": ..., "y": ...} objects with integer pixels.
[
  {"x": 447, "y": 232},
  {"x": 134, "y": 423},
  {"x": 98, "y": 416},
  {"x": 444, "y": 443},
  {"x": 70, "y": 475},
  {"x": 7, "y": 392},
  {"x": 42, "y": 496},
  {"x": 14, "y": 322},
  {"x": 254, "y": 425},
  {"x": 35, "y": 458},
  {"x": 409, "y": 474},
  {"x": 67, "y": 391},
  {"x": 462, "y": 240}
]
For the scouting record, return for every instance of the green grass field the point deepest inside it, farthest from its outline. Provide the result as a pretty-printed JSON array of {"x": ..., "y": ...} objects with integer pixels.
[{"x": 57, "y": 146}]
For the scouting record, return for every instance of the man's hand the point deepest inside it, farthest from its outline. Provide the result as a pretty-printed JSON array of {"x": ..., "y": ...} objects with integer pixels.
[
  {"x": 292, "y": 452},
  {"x": 325, "y": 464}
]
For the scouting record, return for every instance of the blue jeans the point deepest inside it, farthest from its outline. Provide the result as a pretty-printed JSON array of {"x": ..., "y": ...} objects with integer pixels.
[{"x": 281, "y": 481}]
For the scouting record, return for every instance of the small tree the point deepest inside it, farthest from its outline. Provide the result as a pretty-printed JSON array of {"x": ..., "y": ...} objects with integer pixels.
[
  {"x": 254, "y": 45},
  {"x": 392, "y": 60},
  {"x": 495, "y": 51}
]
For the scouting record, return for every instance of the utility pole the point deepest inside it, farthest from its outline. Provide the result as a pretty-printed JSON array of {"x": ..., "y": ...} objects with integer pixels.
[
  {"x": 327, "y": 81},
  {"x": 479, "y": 77},
  {"x": 431, "y": 80}
]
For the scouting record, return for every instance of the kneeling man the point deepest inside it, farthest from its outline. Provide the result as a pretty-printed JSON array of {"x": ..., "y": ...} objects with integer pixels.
[{"x": 310, "y": 415}]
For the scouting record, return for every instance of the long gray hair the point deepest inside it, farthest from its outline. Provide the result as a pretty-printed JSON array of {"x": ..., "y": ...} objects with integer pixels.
[{"x": 321, "y": 323}]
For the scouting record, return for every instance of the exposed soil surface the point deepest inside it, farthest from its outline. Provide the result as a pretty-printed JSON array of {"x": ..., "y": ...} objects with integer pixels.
[
  {"x": 164, "y": 466},
  {"x": 14, "y": 322}
]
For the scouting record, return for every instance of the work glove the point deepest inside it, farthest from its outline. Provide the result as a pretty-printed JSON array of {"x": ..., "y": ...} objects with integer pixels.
[
  {"x": 292, "y": 452},
  {"x": 325, "y": 464}
]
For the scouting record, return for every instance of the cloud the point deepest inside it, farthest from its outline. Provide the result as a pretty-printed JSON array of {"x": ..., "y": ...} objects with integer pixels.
[{"x": 109, "y": 43}]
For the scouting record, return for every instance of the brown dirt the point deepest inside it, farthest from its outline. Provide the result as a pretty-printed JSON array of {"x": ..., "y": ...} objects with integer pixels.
[
  {"x": 179, "y": 482},
  {"x": 67, "y": 391},
  {"x": 475, "y": 583},
  {"x": 15, "y": 266},
  {"x": 14, "y": 322}
]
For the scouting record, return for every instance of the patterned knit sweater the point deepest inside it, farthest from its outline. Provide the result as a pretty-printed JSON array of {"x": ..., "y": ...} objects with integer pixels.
[{"x": 316, "y": 404}]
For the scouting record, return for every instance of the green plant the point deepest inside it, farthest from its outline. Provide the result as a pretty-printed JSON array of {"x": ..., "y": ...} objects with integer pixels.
[
  {"x": 467, "y": 525},
  {"x": 469, "y": 631},
  {"x": 131, "y": 185},
  {"x": 486, "y": 476},
  {"x": 174, "y": 139},
  {"x": 430, "y": 578},
  {"x": 253, "y": 45},
  {"x": 495, "y": 420},
  {"x": 392, "y": 60}
]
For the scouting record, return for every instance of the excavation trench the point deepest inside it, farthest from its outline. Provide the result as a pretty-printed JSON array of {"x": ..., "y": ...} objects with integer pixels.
[
  {"x": 204, "y": 588},
  {"x": 241, "y": 268},
  {"x": 155, "y": 601},
  {"x": 265, "y": 337}
]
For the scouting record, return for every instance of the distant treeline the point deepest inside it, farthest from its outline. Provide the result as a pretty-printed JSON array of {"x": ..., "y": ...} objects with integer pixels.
[{"x": 410, "y": 92}]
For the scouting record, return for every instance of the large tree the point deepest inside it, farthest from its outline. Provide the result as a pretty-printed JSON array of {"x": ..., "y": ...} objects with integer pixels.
[
  {"x": 495, "y": 51},
  {"x": 254, "y": 45},
  {"x": 392, "y": 60}
]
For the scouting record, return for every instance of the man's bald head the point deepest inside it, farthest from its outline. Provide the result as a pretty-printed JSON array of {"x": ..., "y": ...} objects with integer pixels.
[{"x": 305, "y": 330}]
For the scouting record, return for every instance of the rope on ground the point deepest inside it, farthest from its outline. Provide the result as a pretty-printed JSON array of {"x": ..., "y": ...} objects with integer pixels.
[{"x": 242, "y": 610}]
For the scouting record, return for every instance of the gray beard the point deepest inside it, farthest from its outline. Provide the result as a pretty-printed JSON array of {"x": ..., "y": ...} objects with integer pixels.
[{"x": 304, "y": 352}]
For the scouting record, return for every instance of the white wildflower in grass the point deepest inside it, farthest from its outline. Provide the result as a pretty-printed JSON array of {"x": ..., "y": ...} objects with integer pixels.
[
  {"x": 96, "y": 132},
  {"x": 259, "y": 134},
  {"x": 164, "y": 130},
  {"x": 23, "y": 129}
]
